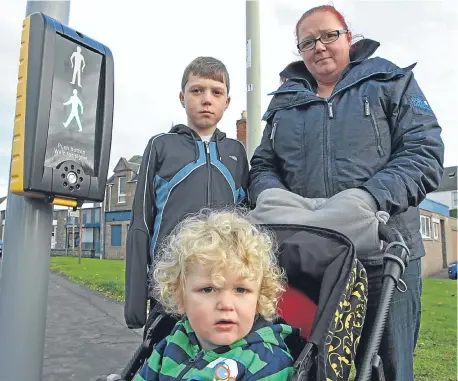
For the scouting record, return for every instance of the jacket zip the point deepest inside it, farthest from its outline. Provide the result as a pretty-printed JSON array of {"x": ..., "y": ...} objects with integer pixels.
[
  {"x": 331, "y": 116},
  {"x": 367, "y": 112},
  {"x": 272, "y": 134},
  {"x": 191, "y": 363},
  {"x": 207, "y": 150},
  {"x": 331, "y": 112},
  {"x": 325, "y": 149}
]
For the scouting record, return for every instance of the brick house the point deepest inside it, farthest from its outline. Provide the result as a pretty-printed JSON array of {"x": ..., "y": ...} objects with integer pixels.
[
  {"x": 241, "y": 128},
  {"x": 119, "y": 196},
  {"x": 439, "y": 233},
  {"x": 447, "y": 193}
]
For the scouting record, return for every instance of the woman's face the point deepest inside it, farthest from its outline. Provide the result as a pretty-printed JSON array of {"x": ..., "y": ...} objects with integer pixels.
[{"x": 325, "y": 61}]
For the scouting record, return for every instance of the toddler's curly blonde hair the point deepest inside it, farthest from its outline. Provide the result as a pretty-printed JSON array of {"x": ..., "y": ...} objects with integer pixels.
[{"x": 219, "y": 240}]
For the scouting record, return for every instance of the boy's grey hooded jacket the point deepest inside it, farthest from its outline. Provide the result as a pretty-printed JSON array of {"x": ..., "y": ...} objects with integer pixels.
[
  {"x": 376, "y": 132},
  {"x": 179, "y": 175}
]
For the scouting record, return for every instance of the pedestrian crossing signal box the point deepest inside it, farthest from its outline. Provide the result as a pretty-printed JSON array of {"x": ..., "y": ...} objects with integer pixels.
[{"x": 64, "y": 114}]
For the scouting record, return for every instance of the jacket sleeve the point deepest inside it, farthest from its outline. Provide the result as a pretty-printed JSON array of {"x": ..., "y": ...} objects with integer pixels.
[
  {"x": 415, "y": 167},
  {"x": 138, "y": 242},
  {"x": 264, "y": 173},
  {"x": 243, "y": 193}
]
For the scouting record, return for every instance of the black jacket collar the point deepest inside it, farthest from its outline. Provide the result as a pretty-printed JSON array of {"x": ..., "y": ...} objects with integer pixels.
[{"x": 183, "y": 129}]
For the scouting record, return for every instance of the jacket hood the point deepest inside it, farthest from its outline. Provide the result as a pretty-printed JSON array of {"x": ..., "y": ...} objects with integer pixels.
[
  {"x": 183, "y": 129},
  {"x": 359, "y": 51},
  {"x": 300, "y": 85}
]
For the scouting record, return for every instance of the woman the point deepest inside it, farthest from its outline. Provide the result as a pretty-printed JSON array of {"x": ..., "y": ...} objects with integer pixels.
[{"x": 342, "y": 120}]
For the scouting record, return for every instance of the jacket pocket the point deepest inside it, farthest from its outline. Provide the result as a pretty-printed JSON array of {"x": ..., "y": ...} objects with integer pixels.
[{"x": 368, "y": 113}]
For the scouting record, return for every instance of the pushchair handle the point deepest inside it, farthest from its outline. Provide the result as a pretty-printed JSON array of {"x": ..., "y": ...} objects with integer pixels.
[
  {"x": 388, "y": 234},
  {"x": 396, "y": 259}
]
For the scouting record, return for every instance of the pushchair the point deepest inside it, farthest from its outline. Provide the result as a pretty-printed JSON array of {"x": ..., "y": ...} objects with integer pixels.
[{"x": 326, "y": 298}]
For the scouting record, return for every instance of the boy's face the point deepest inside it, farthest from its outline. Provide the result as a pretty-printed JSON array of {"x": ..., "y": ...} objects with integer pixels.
[
  {"x": 205, "y": 101},
  {"x": 219, "y": 315}
]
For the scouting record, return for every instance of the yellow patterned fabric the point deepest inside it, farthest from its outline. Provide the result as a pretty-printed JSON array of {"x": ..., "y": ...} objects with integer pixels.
[{"x": 345, "y": 332}]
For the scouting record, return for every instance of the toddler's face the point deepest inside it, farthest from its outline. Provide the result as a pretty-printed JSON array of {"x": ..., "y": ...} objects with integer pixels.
[{"x": 219, "y": 315}]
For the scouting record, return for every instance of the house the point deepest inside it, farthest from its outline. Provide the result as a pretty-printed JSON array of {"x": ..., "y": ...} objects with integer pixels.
[
  {"x": 64, "y": 227},
  {"x": 447, "y": 192},
  {"x": 119, "y": 196},
  {"x": 2, "y": 215},
  {"x": 439, "y": 233}
]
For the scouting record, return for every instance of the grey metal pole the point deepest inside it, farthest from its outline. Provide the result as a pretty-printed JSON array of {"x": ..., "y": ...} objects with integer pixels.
[
  {"x": 80, "y": 239},
  {"x": 73, "y": 236},
  {"x": 25, "y": 273},
  {"x": 66, "y": 233},
  {"x": 253, "y": 71}
]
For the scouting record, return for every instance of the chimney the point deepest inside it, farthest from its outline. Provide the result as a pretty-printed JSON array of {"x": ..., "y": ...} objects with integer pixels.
[{"x": 241, "y": 129}]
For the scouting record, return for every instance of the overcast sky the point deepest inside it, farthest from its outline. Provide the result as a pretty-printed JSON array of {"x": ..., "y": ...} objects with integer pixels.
[{"x": 152, "y": 42}]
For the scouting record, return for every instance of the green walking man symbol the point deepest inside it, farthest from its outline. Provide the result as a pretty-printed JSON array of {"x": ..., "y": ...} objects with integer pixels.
[{"x": 74, "y": 114}]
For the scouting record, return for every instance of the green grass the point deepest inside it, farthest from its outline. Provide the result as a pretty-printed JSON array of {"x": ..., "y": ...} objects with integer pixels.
[
  {"x": 104, "y": 276},
  {"x": 436, "y": 354}
]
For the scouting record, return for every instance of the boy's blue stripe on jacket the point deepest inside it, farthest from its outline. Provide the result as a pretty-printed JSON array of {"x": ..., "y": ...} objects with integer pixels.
[
  {"x": 222, "y": 168},
  {"x": 164, "y": 188}
]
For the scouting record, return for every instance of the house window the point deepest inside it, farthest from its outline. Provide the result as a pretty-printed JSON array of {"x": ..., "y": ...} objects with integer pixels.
[
  {"x": 116, "y": 231},
  {"x": 454, "y": 199},
  {"x": 96, "y": 216},
  {"x": 425, "y": 227},
  {"x": 121, "y": 190},
  {"x": 436, "y": 230},
  {"x": 87, "y": 216}
]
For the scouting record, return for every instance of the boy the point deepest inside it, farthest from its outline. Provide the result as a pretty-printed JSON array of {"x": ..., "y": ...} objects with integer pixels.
[
  {"x": 220, "y": 274},
  {"x": 182, "y": 171}
]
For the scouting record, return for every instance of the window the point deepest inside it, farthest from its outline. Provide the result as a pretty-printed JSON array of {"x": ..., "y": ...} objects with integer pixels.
[
  {"x": 116, "y": 231},
  {"x": 96, "y": 215},
  {"x": 454, "y": 199},
  {"x": 425, "y": 227},
  {"x": 121, "y": 190},
  {"x": 87, "y": 216},
  {"x": 436, "y": 230}
]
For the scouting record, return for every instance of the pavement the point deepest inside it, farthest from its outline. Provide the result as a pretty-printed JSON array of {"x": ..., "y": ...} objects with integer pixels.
[{"x": 86, "y": 335}]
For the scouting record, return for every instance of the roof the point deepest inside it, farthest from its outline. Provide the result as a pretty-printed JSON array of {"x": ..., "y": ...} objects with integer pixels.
[
  {"x": 449, "y": 180},
  {"x": 137, "y": 159},
  {"x": 434, "y": 207},
  {"x": 133, "y": 165}
]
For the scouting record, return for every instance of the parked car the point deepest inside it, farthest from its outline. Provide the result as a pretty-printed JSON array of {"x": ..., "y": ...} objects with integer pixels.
[
  {"x": 452, "y": 270},
  {"x": 1, "y": 248}
]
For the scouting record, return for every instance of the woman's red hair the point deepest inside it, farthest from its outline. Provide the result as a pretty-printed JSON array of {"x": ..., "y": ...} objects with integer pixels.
[{"x": 325, "y": 8}]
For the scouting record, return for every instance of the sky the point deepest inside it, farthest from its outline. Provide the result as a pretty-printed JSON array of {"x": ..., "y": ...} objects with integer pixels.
[{"x": 152, "y": 43}]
